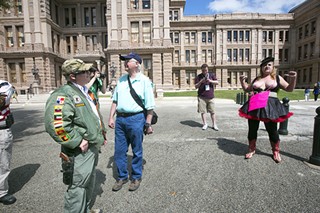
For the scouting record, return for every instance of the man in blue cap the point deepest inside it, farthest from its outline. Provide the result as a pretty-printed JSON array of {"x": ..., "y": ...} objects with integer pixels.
[{"x": 131, "y": 122}]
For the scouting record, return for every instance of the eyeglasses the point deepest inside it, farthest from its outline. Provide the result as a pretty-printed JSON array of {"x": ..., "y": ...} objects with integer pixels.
[{"x": 4, "y": 84}]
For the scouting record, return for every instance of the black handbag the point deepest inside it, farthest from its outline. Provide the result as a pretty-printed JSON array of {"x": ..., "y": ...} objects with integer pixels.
[{"x": 138, "y": 100}]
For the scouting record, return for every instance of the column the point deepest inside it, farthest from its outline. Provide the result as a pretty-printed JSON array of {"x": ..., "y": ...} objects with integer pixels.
[
  {"x": 156, "y": 29},
  {"x": 125, "y": 24},
  {"x": 27, "y": 28},
  {"x": 167, "y": 71},
  {"x": 114, "y": 25},
  {"x": 37, "y": 26},
  {"x": 166, "y": 25}
]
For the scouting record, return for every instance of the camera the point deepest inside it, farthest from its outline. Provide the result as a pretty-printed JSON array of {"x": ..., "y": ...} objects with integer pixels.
[{"x": 102, "y": 75}]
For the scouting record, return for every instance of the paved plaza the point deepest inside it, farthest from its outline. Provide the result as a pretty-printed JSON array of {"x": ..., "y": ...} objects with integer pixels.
[{"x": 186, "y": 169}]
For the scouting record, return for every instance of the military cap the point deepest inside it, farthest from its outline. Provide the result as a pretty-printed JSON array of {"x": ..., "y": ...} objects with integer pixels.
[
  {"x": 131, "y": 55},
  {"x": 75, "y": 66},
  {"x": 266, "y": 60}
]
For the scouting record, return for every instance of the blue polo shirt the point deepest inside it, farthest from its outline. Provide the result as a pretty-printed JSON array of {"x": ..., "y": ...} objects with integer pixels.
[{"x": 125, "y": 102}]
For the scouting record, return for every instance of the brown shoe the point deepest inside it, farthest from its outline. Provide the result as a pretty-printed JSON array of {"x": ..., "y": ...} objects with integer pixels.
[
  {"x": 134, "y": 185},
  {"x": 118, "y": 185}
]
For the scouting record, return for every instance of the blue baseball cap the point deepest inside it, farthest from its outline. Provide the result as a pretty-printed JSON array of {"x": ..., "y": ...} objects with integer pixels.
[{"x": 131, "y": 55}]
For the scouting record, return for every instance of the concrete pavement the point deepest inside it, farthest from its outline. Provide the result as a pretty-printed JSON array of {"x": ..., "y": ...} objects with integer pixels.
[{"x": 186, "y": 169}]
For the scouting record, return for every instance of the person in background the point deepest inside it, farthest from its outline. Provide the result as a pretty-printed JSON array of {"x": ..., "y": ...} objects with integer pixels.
[
  {"x": 316, "y": 91},
  {"x": 205, "y": 83},
  {"x": 98, "y": 81},
  {"x": 131, "y": 122},
  {"x": 306, "y": 94},
  {"x": 73, "y": 120},
  {"x": 6, "y": 141},
  {"x": 273, "y": 112}
]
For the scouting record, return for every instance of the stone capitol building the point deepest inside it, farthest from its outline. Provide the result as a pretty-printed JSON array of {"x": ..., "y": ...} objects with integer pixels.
[{"x": 37, "y": 36}]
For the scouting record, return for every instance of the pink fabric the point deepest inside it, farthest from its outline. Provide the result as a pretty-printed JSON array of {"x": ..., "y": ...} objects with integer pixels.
[{"x": 258, "y": 100}]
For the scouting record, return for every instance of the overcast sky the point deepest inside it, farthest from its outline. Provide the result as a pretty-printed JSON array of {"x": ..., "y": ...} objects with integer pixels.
[{"x": 200, "y": 7}]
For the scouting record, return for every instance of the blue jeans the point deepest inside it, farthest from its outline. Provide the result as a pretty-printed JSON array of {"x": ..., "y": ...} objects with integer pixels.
[{"x": 129, "y": 131}]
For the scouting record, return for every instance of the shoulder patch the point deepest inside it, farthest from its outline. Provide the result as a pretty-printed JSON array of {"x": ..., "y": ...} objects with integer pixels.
[
  {"x": 77, "y": 99},
  {"x": 60, "y": 100}
]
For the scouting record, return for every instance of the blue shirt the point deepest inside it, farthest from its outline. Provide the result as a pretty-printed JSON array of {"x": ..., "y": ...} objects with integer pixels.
[{"x": 125, "y": 102}]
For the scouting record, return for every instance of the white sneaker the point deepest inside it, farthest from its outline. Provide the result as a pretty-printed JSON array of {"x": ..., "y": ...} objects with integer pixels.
[
  {"x": 215, "y": 127},
  {"x": 205, "y": 127}
]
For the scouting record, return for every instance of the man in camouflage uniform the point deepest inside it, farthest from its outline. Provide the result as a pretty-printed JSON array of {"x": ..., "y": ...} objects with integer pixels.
[
  {"x": 72, "y": 119},
  {"x": 6, "y": 140}
]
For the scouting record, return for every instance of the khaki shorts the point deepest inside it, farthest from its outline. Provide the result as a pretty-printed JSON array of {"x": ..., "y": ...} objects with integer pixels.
[{"x": 206, "y": 105}]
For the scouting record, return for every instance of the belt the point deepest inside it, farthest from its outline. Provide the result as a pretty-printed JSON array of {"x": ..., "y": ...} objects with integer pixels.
[
  {"x": 273, "y": 94},
  {"x": 127, "y": 114}
]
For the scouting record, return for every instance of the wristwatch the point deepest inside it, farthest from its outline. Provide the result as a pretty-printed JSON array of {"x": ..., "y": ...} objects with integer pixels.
[{"x": 147, "y": 125}]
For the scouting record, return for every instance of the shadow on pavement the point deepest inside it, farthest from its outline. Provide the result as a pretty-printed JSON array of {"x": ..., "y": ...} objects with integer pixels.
[
  {"x": 111, "y": 164},
  {"x": 100, "y": 180},
  {"x": 20, "y": 176},
  {"x": 191, "y": 123}
]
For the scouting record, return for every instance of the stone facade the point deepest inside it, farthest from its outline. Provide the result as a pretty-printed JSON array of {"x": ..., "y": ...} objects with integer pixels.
[{"x": 37, "y": 36}]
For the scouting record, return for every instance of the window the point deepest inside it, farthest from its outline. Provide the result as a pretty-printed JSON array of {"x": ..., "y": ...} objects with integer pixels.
[
  {"x": 229, "y": 35},
  {"x": 23, "y": 73},
  {"x": 95, "y": 42},
  {"x": 75, "y": 44},
  {"x": 281, "y": 36},
  {"x": 312, "y": 49},
  {"x": 241, "y": 35},
  {"x": 204, "y": 37},
  {"x": 286, "y": 55},
  {"x": 241, "y": 55},
  {"x": 187, "y": 38},
  {"x": 170, "y": 15},
  {"x": 90, "y": 16},
  {"x": 106, "y": 40},
  {"x": 306, "y": 30},
  {"x": 313, "y": 27},
  {"x": 188, "y": 56},
  {"x": 86, "y": 17},
  {"x": 304, "y": 75},
  {"x": 209, "y": 37},
  {"x": 190, "y": 78},
  {"x": 20, "y": 36},
  {"x": 305, "y": 51},
  {"x": 204, "y": 56},
  {"x": 88, "y": 43},
  {"x": 280, "y": 55},
  {"x": 235, "y": 55},
  {"x": 229, "y": 55},
  {"x": 68, "y": 44},
  {"x": 66, "y": 16},
  {"x": 300, "y": 33},
  {"x": 73, "y": 16},
  {"x": 193, "y": 56},
  {"x": 270, "y": 52},
  {"x": 176, "y": 57},
  {"x": 9, "y": 36},
  {"x": 270, "y": 36},
  {"x": 247, "y": 54},
  {"x": 235, "y": 35},
  {"x": 93, "y": 16},
  {"x": 13, "y": 72},
  {"x": 264, "y": 36},
  {"x": 175, "y": 16},
  {"x": 209, "y": 56},
  {"x": 176, "y": 38},
  {"x": 18, "y": 7},
  {"x": 193, "y": 38},
  {"x": 299, "y": 53},
  {"x": 134, "y": 4},
  {"x": 146, "y": 32},
  {"x": 264, "y": 53},
  {"x": 146, "y": 4},
  {"x": 134, "y": 32},
  {"x": 247, "y": 35},
  {"x": 286, "y": 35}
]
